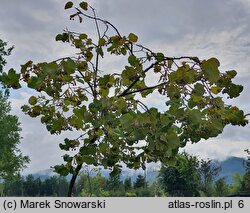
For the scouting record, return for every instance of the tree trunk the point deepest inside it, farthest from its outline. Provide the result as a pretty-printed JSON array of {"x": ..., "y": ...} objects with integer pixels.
[{"x": 73, "y": 179}]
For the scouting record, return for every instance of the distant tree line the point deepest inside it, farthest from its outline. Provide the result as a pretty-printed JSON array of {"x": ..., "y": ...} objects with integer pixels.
[
  {"x": 30, "y": 186},
  {"x": 188, "y": 177}
]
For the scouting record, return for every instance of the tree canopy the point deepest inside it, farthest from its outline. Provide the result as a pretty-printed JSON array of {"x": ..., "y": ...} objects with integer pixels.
[
  {"x": 183, "y": 179},
  {"x": 11, "y": 159},
  {"x": 109, "y": 110}
]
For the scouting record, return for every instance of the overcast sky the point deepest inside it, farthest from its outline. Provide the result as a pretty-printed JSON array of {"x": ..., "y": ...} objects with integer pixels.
[{"x": 214, "y": 28}]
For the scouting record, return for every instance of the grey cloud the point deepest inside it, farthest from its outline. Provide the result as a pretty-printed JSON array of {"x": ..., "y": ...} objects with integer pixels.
[
  {"x": 28, "y": 15},
  {"x": 173, "y": 19},
  {"x": 218, "y": 149}
]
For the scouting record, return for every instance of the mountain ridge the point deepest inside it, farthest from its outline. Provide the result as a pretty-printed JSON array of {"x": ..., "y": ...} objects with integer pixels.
[{"x": 230, "y": 166}]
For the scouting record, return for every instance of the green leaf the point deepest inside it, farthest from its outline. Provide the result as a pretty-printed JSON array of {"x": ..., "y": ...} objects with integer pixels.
[
  {"x": 132, "y": 37},
  {"x": 126, "y": 119},
  {"x": 33, "y": 82},
  {"x": 160, "y": 57},
  {"x": 89, "y": 55},
  {"x": 32, "y": 100},
  {"x": 145, "y": 93},
  {"x": 233, "y": 90},
  {"x": 217, "y": 125},
  {"x": 50, "y": 69},
  {"x": 129, "y": 74},
  {"x": 215, "y": 90},
  {"x": 99, "y": 51},
  {"x": 191, "y": 104},
  {"x": 88, "y": 150},
  {"x": 83, "y": 36},
  {"x": 170, "y": 63},
  {"x": 61, "y": 169},
  {"x": 101, "y": 42},
  {"x": 210, "y": 69},
  {"x": 58, "y": 37},
  {"x": 133, "y": 60},
  {"x": 84, "y": 5},
  {"x": 80, "y": 112},
  {"x": 199, "y": 89},
  {"x": 194, "y": 116},
  {"x": 69, "y": 66},
  {"x": 103, "y": 147},
  {"x": 231, "y": 73},
  {"x": 62, "y": 37},
  {"x": 13, "y": 76},
  {"x": 140, "y": 134},
  {"x": 173, "y": 140},
  {"x": 67, "y": 158},
  {"x": 88, "y": 160},
  {"x": 236, "y": 116},
  {"x": 36, "y": 111},
  {"x": 25, "y": 108},
  {"x": 68, "y": 5},
  {"x": 106, "y": 81}
]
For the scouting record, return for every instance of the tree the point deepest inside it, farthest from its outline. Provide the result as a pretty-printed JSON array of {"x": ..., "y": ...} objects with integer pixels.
[
  {"x": 237, "y": 183},
  {"x": 208, "y": 172},
  {"x": 30, "y": 187},
  {"x": 246, "y": 183},
  {"x": 246, "y": 177},
  {"x": 181, "y": 179},
  {"x": 221, "y": 188},
  {"x": 108, "y": 109},
  {"x": 11, "y": 159},
  {"x": 61, "y": 187},
  {"x": 91, "y": 186},
  {"x": 115, "y": 185},
  {"x": 141, "y": 187},
  {"x": 127, "y": 184},
  {"x": 140, "y": 182},
  {"x": 99, "y": 186},
  {"x": 14, "y": 187}
]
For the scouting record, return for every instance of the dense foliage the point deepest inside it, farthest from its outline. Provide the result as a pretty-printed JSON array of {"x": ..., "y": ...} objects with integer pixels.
[
  {"x": 11, "y": 159},
  {"x": 34, "y": 187},
  {"x": 109, "y": 110}
]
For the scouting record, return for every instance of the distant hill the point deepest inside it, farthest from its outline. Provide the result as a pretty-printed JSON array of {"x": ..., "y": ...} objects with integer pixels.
[{"x": 229, "y": 167}]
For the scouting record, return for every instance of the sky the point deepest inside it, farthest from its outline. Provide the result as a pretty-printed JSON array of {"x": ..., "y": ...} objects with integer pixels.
[{"x": 200, "y": 28}]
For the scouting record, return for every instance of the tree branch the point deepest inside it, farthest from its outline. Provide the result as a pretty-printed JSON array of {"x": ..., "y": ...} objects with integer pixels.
[
  {"x": 125, "y": 92},
  {"x": 97, "y": 55},
  {"x": 99, "y": 19},
  {"x": 141, "y": 90}
]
